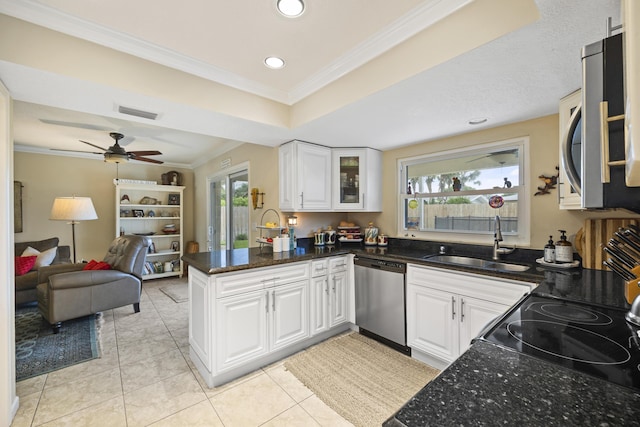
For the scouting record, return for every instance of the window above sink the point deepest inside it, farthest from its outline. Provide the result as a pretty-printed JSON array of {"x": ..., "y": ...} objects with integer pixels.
[{"x": 446, "y": 195}]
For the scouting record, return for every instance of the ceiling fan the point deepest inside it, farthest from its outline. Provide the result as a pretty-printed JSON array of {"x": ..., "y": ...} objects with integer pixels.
[{"x": 117, "y": 154}]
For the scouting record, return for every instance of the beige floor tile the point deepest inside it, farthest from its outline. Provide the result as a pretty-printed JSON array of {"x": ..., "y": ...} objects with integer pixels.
[
  {"x": 289, "y": 383},
  {"x": 146, "y": 348},
  {"x": 148, "y": 371},
  {"x": 157, "y": 401},
  {"x": 200, "y": 415},
  {"x": 251, "y": 403},
  {"x": 31, "y": 385},
  {"x": 109, "y": 413},
  {"x": 108, "y": 360},
  {"x": 131, "y": 335},
  {"x": 70, "y": 397},
  {"x": 26, "y": 411},
  {"x": 324, "y": 415},
  {"x": 294, "y": 417}
]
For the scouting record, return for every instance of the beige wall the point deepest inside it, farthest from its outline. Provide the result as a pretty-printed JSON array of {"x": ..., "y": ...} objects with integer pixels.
[
  {"x": 546, "y": 216},
  {"x": 45, "y": 177}
]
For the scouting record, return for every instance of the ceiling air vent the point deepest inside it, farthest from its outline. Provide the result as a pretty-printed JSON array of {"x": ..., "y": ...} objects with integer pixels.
[{"x": 137, "y": 113}]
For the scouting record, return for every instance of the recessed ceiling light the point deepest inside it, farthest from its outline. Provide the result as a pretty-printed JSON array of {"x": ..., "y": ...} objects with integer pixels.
[
  {"x": 478, "y": 121},
  {"x": 274, "y": 62},
  {"x": 290, "y": 8}
]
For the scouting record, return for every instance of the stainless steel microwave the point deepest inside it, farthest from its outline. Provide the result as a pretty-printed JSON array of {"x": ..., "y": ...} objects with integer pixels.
[{"x": 592, "y": 157}]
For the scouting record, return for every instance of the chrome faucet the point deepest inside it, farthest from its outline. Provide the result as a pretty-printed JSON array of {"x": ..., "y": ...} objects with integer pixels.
[{"x": 497, "y": 238}]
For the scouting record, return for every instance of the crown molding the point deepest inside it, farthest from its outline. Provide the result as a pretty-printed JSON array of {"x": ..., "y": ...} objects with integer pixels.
[{"x": 418, "y": 19}]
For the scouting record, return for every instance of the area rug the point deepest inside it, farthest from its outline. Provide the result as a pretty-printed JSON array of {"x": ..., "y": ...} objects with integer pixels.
[
  {"x": 178, "y": 293},
  {"x": 361, "y": 379},
  {"x": 39, "y": 350}
]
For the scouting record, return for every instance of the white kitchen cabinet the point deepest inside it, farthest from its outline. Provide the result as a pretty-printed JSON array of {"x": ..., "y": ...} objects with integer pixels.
[
  {"x": 568, "y": 198},
  {"x": 357, "y": 179},
  {"x": 289, "y": 314},
  {"x": 200, "y": 321},
  {"x": 329, "y": 297},
  {"x": 304, "y": 177},
  {"x": 147, "y": 210},
  {"x": 446, "y": 310},
  {"x": 338, "y": 291}
]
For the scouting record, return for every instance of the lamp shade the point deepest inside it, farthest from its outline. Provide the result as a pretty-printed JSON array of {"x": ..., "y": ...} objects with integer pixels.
[{"x": 73, "y": 209}]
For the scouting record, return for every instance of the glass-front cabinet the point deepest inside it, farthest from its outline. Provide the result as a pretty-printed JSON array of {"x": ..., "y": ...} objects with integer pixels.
[{"x": 357, "y": 179}]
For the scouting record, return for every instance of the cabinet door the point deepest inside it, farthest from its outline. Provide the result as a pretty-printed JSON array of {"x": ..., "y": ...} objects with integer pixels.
[
  {"x": 286, "y": 171},
  {"x": 319, "y": 312},
  {"x": 432, "y": 322},
  {"x": 313, "y": 177},
  {"x": 289, "y": 314},
  {"x": 357, "y": 179},
  {"x": 338, "y": 303},
  {"x": 475, "y": 314},
  {"x": 241, "y": 325}
]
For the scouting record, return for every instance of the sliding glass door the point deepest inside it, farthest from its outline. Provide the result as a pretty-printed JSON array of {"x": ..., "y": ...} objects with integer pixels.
[{"x": 229, "y": 211}]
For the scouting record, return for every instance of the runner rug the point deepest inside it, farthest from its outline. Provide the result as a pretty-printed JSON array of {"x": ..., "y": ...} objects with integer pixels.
[
  {"x": 359, "y": 378},
  {"x": 39, "y": 350}
]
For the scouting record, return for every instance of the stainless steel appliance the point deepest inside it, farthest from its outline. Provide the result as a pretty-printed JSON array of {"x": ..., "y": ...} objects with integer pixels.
[
  {"x": 594, "y": 340},
  {"x": 380, "y": 301},
  {"x": 585, "y": 155}
]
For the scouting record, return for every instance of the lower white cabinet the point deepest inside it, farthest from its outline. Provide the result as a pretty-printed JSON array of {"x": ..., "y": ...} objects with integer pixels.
[
  {"x": 329, "y": 284},
  {"x": 446, "y": 310},
  {"x": 241, "y": 321},
  {"x": 253, "y": 324}
]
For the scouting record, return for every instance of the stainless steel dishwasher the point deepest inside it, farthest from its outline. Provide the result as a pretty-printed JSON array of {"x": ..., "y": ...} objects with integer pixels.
[{"x": 380, "y": 301}]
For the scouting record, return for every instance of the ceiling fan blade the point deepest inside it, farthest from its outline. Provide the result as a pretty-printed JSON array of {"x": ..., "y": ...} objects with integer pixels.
[
  {"x": 145, "y": 153},
  {"x": 75, "y": 151},
  {"x": 145, "y": 159},
  {"x": 93, "y": 145}
]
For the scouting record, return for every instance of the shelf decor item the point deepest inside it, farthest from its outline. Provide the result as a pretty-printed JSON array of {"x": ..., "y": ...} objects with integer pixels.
[{"x": 174, "y": 199}]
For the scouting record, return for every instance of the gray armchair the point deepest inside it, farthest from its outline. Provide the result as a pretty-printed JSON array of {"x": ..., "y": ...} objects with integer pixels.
[{"x": 81, "y": 293}]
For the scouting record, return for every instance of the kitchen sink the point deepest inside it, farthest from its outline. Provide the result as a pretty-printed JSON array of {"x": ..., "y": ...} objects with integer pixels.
[{"x": 477, "y": 263}]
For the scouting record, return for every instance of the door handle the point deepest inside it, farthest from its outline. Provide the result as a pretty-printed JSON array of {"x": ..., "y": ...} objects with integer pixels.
[
  {"x": 273, "y": 300},
  {"x": 266, "y": 306},
  {"x": 333, "y": 288},
  {"x": 302, "y": 200},
  {"x": 461, "y": 309},
  {"x": 453, "y": 307},
  {"x": 326, "y": 284}
]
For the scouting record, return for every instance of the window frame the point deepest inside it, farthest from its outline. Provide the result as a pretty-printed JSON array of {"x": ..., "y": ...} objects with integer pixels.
[{"x": 522, "y": 238}]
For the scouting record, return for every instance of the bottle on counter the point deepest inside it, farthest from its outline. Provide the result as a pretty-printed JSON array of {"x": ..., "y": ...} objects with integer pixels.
[
  {"x": 550, "y": 251},
  {"x": 564, "y": 248}
]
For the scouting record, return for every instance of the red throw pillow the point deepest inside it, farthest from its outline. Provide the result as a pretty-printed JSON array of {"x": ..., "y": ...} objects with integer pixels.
[
  {"x": 102, "y": 266},
  {"x": 90, "y": 265},
  {"x": 24, "y": 263}
]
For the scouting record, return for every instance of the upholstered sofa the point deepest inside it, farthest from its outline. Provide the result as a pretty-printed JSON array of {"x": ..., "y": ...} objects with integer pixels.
[
  {"x": 25, "y": 285},
  {"x": 76, "y": 294}
]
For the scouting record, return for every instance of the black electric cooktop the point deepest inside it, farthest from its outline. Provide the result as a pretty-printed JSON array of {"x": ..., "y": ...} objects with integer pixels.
[{"x": 593, "y": 340}]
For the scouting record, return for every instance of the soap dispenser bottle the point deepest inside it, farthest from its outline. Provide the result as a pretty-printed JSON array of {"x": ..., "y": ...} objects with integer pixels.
[
  {"x": 564, "y": 249},
  {"x": 550, "y": 251}
]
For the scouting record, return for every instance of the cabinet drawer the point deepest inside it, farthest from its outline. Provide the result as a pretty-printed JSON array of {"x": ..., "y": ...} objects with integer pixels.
[
  {"x": 259, "y": 278},
  {"x": 486, "y": 288},
  {"x": 338, "y": 264},
  {"x": 320, "y": 267}
]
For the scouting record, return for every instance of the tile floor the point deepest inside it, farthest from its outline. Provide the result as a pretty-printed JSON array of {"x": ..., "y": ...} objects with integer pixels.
[{"x": 145, "y": 377}]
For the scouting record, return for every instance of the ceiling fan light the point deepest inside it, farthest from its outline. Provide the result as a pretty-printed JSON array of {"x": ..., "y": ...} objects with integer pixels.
[
  {"x": 115, "y": 157},
  {"x": 290, "y": 8}
]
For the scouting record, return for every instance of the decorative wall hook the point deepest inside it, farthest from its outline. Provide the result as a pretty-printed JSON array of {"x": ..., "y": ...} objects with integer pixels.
[{"x": 549, "y": 183}]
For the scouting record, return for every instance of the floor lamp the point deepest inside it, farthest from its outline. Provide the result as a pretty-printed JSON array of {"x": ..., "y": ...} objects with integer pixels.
[{"x": 73, "y": 209}]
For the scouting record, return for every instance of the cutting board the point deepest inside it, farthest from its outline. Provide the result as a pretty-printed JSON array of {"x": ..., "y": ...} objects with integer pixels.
[{"x": 594, "y": 234}]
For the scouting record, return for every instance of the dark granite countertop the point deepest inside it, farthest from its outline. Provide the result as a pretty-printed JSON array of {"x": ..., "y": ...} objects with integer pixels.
[{"x": 489, "y": 385}]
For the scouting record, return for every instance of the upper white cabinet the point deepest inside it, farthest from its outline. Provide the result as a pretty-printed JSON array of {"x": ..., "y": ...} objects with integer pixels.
[
  {"x": 305, "y": 177},
  {"x": 316, "y": 178},
  {"x": 357, "y": 179},
  {"x": 568, "y": 197}
]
